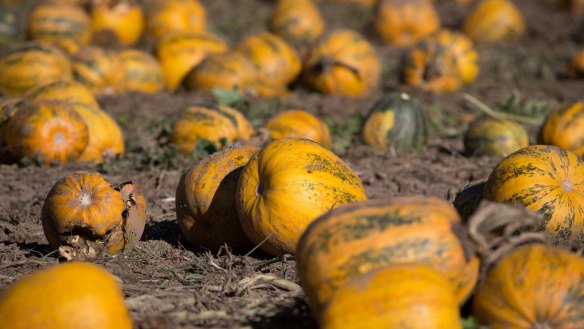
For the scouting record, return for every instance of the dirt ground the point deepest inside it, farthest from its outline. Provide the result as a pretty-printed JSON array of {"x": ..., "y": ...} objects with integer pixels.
[{"x": 171, "y": 284}]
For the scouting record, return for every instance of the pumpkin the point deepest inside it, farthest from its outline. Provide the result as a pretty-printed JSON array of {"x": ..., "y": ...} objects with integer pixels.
[
  {"x": 391, "y": 297},
  {"x": 442, "y": 62},
  {"x": 100, "y": 70},
  {"x": 10, "y": 31},
  {"x": 576, "y": 6},
  {"x": 545, "y": 179},
  {"x": 287, "y": 185},
  {"x": 216, "y": 124},
  {"x": 576, "y": 68},
  {"x": 343, "y": 63},
  {"x": 176, "y": 15},
  {"x": 85, "y": 216},
  {"x": 405, "y": 22},
  {"x": 180, "y": 52},
  {"x": 205, "y": 200},
  {"x": 29, "y": 65},
  {"x": 357, "y": 2},
  {"x": 397, "y": 123},
  {"x": 67, "y": 91},
  {"x": 65, "y": 296},
  {"x": 493, "y": 20},
  {"x": 297, "y": 21},
  {"x": 228, "y": 71},
  {"x": 276, "y": 63},
  {"x": 299, "y": 124},
  {"x": 105, "y": 135},
  {"x": 352, "y": 240},
  {"x": 143, "y": 72},
  {"x": 534, "y": 286},
  {"x": 49, "y": 131},
  {"x": 563, "y": 128},
  {"x": 64, "y": 25},
  {"x": 494, "y": 137},
  {"x": 120, "y": 20}
]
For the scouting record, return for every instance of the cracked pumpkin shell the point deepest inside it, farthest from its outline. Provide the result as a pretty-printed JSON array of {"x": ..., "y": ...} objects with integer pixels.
[
  {"x": 205, "y": 200},
  {"x": 65, "y": 296},
  {"x": 84, "y": 216},
  {"x": 351, "y": 240},
  {"x": 287, "y": 185}
]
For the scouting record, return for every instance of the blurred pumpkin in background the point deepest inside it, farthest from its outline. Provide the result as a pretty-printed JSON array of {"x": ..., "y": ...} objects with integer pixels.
[
  {"x": 116, "y": 22},
  {"x": 343, "y": 63},
  {"x": 143, "y": 71},
  {"x": 299, "y": 124},
  {"x": 494, "y": 20},
  {"x": 494, "y": 137},
  {"x": 564, "y": 127},
  {"x": 405, "y": 22},
  {"x": 176, "y": 16},
  {"x": 231, "y": 71},
  {"x": 101, "y": 70},
  {"x": 297, "y": 21}
]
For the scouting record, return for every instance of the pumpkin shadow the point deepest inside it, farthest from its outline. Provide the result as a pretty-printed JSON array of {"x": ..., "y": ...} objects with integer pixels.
[
  {"x": 295, "y": 315},
  {"x": 166, "y": 230}
]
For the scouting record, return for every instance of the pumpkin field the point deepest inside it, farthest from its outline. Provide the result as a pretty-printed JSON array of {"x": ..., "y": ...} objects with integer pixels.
[{"x": 292, "y": 164}]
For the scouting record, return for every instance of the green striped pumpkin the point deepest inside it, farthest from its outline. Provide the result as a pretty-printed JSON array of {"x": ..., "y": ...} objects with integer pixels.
[
  {"x": 352, "y": 240},
  {"x": 546, "y": 179},
  {"x": 495, "y": 137},
  {"x": 565, "y": 128},
  {"x": 396, "y": 122}
]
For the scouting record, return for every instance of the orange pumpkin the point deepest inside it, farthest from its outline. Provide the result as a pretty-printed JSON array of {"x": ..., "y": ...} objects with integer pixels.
[
  {"x": 352, "y": 240},
  {"x": 216, "y": 124},
  {"x": 49, "y": 131},
  {"x": 286, "y": 186},
  {"x": 563, "y": 128},
  {"x": 27, "y": 66},
  {"x": 576, "y": 69},
  {"x": 180, "y": 52},
  {"x": 205, "y": 200},
  {"x": 143, "y": 71},
  {"x": 85, "y": 216},
  {"x": 405, "y": 22},
  {"x": 534, "y": 286},
  {"x": 100, "y": 70},
  {"x": 67, "y": 91},
  {"x": 576, "y": 6},
  {"x": 494, "y": 20},
  {"x": 545, "y": 179},
  {"x": 442, "y": 62},
  {"x": 299, "y": 124},
  {"x": 66, "y": 26},
  {"x": 297, "y": 21},
  {"x": 495, "y": 137},
  {"x": 176, "y": 15},
  {"x": 391, "y": 297},
  {"x": 343, "y": 63},
  {"x": 70, "y": 295},
  {"x": 122, "y": 20},
  {"x": 228, "y": 71},
  {"x": 276, "y": 63}
]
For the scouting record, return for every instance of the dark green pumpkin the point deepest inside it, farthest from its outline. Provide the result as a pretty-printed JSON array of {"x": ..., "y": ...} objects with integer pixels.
[
  {"x": 494, "y": 137},
  {"x": 396, "y": 122}
]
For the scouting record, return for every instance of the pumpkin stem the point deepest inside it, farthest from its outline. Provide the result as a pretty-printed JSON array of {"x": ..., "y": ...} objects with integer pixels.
[
  {"x": 496, "y": 229},
  {"x": 499, "y": 115}
]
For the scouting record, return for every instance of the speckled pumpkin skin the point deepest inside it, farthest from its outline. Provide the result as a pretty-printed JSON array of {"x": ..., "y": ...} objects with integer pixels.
[
  {"x": 70, "y": 295},
  {"x": 205, "y": 200},
  {"x": 545, "y": 179},
  {"x": 565, "y": 128},
  {"x": 534, "y": 286},
  {"x": 495, "y": 137},
  {"x": 396, "y": 122},
  {"x": 286, "y": 186},
  {"x": 299, "y": 124},
  {"x": 352, "y": 240},
  {"x": 405, "y": 22},
  {"x": 342, "y": 63},
  {"x": 389, "y": 297},
  {"x": 492, "y": 21}
]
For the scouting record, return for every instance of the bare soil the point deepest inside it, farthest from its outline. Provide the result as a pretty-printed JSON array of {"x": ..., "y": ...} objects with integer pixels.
[{"x": 171, "y": 284}]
